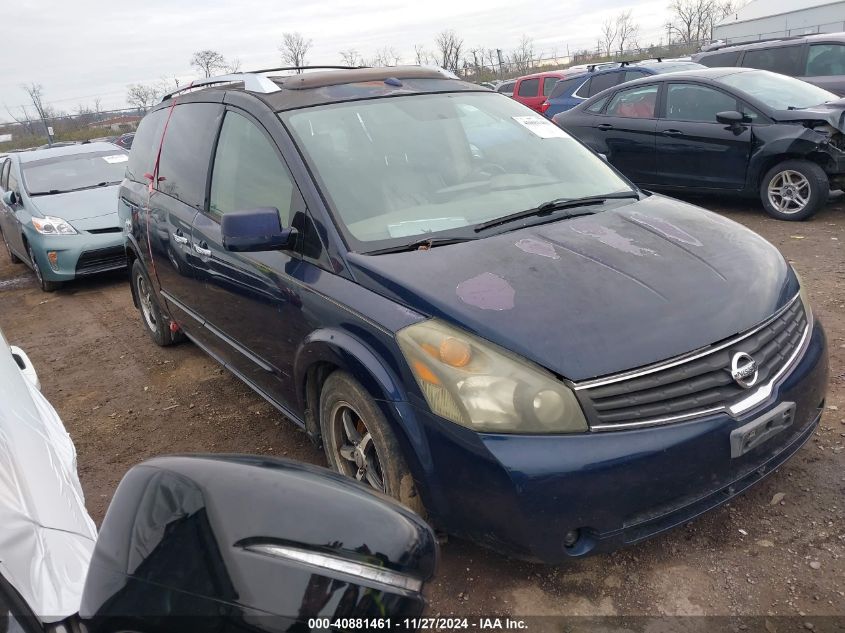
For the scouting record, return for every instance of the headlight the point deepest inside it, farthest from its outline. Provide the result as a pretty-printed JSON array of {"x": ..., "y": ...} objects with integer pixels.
[
  {"x": 52, "y": 226},
  {"x": 482, "y": 387}
]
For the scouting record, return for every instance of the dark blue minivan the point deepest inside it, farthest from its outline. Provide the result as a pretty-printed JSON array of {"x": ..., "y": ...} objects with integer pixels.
[{"x": 507, "y": 336}]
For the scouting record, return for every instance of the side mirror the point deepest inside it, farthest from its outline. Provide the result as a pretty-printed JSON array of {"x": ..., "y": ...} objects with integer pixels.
[
  {"x": 10, "y": 198},
  {"x": 255, "y": 230},
  {"x": 730, "y": 117},
  {"x": 247, "y": 537}
]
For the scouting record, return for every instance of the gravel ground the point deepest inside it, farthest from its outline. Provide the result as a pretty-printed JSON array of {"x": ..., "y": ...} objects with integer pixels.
[{"x": 777, "y": 550}]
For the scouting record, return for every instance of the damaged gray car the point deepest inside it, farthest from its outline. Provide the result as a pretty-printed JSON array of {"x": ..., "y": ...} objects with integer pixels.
[{"x": 721, "y": 130}]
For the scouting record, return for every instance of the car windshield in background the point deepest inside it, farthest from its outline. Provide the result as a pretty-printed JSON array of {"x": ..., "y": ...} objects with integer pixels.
[
  {"x": 777, "y": 91},
  {"x": 71, "y": 172},
  {"x": 435, "y": 164}
]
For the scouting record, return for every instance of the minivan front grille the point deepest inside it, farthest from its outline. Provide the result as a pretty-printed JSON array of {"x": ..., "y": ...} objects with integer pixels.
[
  {"x": 101, "y": 260},
  {"x": 686, "y": 388}
]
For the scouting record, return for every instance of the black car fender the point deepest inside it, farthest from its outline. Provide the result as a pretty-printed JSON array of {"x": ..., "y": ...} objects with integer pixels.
[{"x": 776, "y": 143}]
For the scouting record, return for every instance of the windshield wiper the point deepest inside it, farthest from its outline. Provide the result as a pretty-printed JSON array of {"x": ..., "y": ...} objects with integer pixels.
[
  {"x": 422, "y": 245},
  {"x": 559, "y": 204},
  {"x": 53, "y": 192}
]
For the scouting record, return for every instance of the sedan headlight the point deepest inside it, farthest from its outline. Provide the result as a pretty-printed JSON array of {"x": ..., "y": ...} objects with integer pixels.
[
  {"x": 52, "y": 226},
  {"x": 485, "y": 388}
]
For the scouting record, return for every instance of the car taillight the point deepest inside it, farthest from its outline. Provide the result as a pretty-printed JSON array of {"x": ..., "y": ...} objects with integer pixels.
[{"x": 545, "y": 106}]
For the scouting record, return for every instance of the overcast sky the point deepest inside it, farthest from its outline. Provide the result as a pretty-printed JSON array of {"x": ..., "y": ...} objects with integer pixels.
[{"x": 83, "y": 49}]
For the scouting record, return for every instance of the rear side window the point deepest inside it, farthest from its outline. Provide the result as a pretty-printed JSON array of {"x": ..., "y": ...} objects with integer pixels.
[
  {"x": 248, "y": 173},
  {"x": 186, "y": 152},
  {"x": 785, "y": 60},
  {"x": 597, "y": 106},
  {"x": 728, "y": 58},
  {"x": 634, "y": 103},
  {"x": 506, "y": 88},
  {"x": 565, "y": 85},
  {"x": 825, "y": 60},
  {"x": 529, "y": 88},
  {"x": 548, "y": 85},
  {"x": 145, "y": 147},
  {"x": 630, "y": 75},
  {"x": 688, "y": 102},
  {"x": 603, "y": 82}
]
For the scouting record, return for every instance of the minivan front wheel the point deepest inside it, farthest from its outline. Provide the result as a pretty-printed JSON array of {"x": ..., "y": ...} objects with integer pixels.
[
  {"x": 360, "y": 444},
  {"x": 151, "y": 315},
  {"x": 794, "y": 190}
]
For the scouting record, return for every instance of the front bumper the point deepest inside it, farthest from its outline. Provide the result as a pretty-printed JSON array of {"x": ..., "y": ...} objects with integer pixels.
[
  {"x": 521, "y": 494},
  {"x": 79, "y": 255}
]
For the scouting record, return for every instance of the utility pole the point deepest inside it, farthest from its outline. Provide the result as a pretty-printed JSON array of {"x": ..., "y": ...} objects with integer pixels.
[{"x": 501, "y": 63}]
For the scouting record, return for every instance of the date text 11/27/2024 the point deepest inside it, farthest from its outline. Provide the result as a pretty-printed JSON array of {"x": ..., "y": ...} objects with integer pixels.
[{"x": 415, "y": 624}]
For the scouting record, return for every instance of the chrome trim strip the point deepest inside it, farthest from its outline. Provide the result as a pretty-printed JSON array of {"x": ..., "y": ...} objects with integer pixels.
[
  {"x": 766, "y": 390},
  {"x": 335, "y": 563},
  {"x": 655, "y": 421},
  {"x": 600, "y": 382}
]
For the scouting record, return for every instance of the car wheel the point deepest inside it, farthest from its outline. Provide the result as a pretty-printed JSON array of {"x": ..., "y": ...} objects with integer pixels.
[
  {"x": 46, "y": 286},
  {"x": 359, "y": 442},
  {"x": 794, "y": 190},
  {"x": 15, "y": 259},
  {"x": 155, "y": 323}
]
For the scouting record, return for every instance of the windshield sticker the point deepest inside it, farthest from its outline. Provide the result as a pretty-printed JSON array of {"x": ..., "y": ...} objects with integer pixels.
[
  {"x": 541, "y": 127},
  {"x": 116, "y": 158},
  {"x": 429, "y": 225}
]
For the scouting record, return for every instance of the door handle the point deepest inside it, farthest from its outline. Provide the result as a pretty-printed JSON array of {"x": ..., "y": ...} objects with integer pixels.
[
  {"x": 672, "y": 133},
  {"x": 604, "y": 126},
  {"x": 205, "y": 252},
  {"x": 179, "y": 238}
]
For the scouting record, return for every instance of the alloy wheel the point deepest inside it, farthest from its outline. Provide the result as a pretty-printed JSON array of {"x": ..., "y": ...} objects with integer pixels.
[
  {"x": 355, "y": 446},
  {"x": 146, "y": 301},
  {"x": 789, "y": 191}
]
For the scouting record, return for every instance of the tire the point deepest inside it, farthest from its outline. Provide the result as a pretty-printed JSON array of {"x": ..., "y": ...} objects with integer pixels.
[
  {"x": 155, "y": 323},
  {"x": 794, "y": 190},
  {"x": 375, "y": 440},
  {"x": 15, "y": 259},
  {"x": 46, "y": 286}
]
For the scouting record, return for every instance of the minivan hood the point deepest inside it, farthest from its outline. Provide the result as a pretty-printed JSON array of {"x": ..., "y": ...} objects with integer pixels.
[
  {"x": 79, "y": 205},
  {"x": 598, "y": 294}
]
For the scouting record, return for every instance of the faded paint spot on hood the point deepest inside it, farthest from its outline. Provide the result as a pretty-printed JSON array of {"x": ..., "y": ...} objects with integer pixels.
[
  {"x": 611, "y": 238},
  {"x": 487, "y": 291},
  {"x": 665, "y": 228},
  {"x": 538, "y": 247}
]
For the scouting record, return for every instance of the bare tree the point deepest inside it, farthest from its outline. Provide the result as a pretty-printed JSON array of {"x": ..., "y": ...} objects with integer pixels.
[
  {"x": 386, "y": 56},
  {"x": 98, "y": 105},
  {"x": 294, "y": 48},
  {"x": 142, "y": 96},
  {"x": 609, "y": 33},
  {"x": 35, "y": 92},
  {"x": 351, "y": 57},
  {"x": 449, "y": 47},
  {"x": 522, "y": 57},
  {"x": 692, "y": 20},
  {"x": 627, "y": 31},
  {"x": 208, "y": 62}
]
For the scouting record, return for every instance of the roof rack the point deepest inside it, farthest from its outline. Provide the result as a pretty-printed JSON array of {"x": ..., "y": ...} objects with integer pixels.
[
  {"x": 628, "y": 62},
  {"x": 253, "y": 81},
  {"x": 785, "y": 38}
]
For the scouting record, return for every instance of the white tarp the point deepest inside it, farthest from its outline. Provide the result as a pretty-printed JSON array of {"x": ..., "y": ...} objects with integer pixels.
[{"x": 46, "y": 534}]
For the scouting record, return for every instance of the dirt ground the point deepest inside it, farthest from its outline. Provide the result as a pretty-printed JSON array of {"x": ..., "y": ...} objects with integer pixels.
[{"x": 123, "y": 400}]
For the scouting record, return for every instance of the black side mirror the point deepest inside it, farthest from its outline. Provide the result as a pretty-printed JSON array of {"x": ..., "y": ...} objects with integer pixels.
[
  {"x": 730, "y": 117},
  {"x": 10, "y": 198},
  {"x": 255, "y": 230},
  {"x": 236, "y": 540}
]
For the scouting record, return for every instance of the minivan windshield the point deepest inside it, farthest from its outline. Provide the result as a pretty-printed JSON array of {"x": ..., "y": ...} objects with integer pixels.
[
  {"x": 777, "y": 91},
  {"x": 400, "y": 167},
  {"x": 71, "y": 172}
]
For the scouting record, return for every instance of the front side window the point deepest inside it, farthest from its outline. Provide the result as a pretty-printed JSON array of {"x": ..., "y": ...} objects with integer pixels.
[
  {"x": 634, "y": 103},
  {"x": 4, "y": 175},
  {"x": 529, "y": 87},
  {"x": 435, "y": 164},
  {"x": 785, "y": 60},
  {"x": 776, "y": 91},
  {"x": 688, "y": 102},
  {"x": 186, "y": 152},
  {"x": 72, "y": 172},
  {"x": 825, "y": 60},
  {"x": 248, "y": 173}
]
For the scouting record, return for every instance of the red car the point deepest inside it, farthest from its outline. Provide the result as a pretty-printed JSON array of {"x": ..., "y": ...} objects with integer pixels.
[{"x": 532, "y": 90}]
